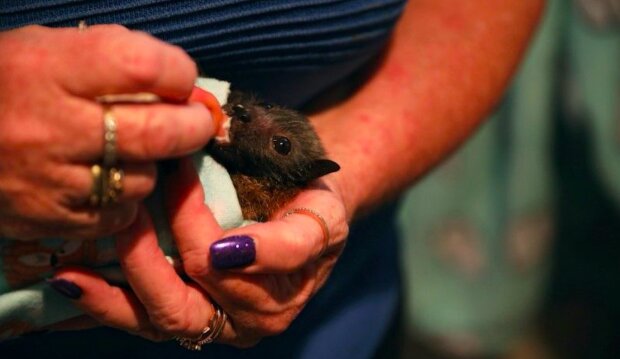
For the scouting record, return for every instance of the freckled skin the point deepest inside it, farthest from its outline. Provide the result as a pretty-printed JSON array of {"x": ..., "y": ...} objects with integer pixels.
[{"x": 273, "y": 154}]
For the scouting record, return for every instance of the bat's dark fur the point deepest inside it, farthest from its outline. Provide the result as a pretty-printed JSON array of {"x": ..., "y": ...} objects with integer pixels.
[{"x": 273, "y": 153}]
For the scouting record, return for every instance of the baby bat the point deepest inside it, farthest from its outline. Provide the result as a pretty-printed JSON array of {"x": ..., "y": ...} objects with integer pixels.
[{"x": 271, "y": 153}]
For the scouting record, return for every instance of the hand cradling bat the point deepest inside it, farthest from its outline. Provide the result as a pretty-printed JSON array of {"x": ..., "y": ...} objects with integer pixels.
[{"x": 271, "y": 153}]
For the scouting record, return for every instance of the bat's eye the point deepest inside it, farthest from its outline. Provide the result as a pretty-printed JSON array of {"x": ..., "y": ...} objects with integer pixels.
[
  {"x": 265, "y": 105},
  {"x": 281, "y": 144},
  {"x": 241, "y": 113}
]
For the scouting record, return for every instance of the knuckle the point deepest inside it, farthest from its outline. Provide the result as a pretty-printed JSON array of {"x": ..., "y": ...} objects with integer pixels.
[
  {"x": 102, "y": 313},
  {"x": 195, "y": 264},
  {"x": 172, "y": 316},
  {"x": 172, "y": 320}
]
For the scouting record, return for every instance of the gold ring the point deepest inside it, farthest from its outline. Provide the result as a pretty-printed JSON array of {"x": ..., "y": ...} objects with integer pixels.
[
  {"x": 209, "y": 334},
  {"x": 107, "y": 185},
  {"x": 109, "y": 137},
  {"x": 318, "y": 218},
  {"x": 97, "y": 190},
  {"x": 112, "y": 185},
  {"x": 107, "y": 178}
]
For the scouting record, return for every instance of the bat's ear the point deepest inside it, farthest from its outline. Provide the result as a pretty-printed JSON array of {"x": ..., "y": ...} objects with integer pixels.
[{"x": 322, "y": 167}]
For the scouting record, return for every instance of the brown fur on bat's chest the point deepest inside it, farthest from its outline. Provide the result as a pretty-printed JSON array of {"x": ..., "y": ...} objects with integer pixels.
[{"x": 259, "y": 198}]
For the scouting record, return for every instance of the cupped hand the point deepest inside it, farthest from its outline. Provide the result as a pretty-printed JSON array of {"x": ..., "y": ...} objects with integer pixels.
[
  {"x": 262, "y": 291},
  {"x": 51, "y": 124}
]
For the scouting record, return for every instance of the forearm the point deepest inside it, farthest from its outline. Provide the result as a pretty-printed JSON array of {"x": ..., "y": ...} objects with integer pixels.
[{"x": 446, "y": 67}]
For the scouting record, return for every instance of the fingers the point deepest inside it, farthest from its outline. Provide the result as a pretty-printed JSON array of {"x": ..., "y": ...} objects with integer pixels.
[
  {"x": 160, "y": 131},
  {"x": 110, "y": 59},
  {"x": 91, "y": 223},
  {"x": 52, "y": 120},
  {"x": 82, "y": 322},
  {"x": 162, "y": 307},
  {"x": 147, "y": 132},
  {"x": 261, "y": 305},
  {"x": 138, "y": 182},
  {"x": 280, "y": 246},
  {"x": 117, "y": 307},
  {"x": 109, "y": 305},
  {"x": 283, "y": 246},
  {"x": 172, "y": 306},
  {"x": 84, "y": 223},
  {"x": 119, "y": 61},
  {"x": 287, "y": 244},
  {"x": 122, "y": 61}
]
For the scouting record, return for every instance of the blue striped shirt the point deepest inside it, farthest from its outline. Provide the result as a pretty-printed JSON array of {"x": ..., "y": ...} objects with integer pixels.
[{"x": 287, "y": 45}]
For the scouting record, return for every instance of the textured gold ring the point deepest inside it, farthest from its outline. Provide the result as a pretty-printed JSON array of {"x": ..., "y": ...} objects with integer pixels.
[
  {"x": 318, "y": 218},
  {"x": 209, "y": 334}
]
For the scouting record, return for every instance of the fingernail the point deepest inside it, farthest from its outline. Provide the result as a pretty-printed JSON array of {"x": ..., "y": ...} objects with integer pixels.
[
  {"x": 65, "y": 287},
  {"x": 233, "y": 252}
]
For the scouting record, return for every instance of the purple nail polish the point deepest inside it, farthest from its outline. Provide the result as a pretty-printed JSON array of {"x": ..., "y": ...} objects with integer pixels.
[
  {"x": 233, "y": 252},
  {"x": 65, "y": 287}
]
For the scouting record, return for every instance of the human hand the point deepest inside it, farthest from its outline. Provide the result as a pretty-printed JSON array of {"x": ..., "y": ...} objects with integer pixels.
[
  {"x": 261, "y": 296},
  {"x": 51, "y": 124}
]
